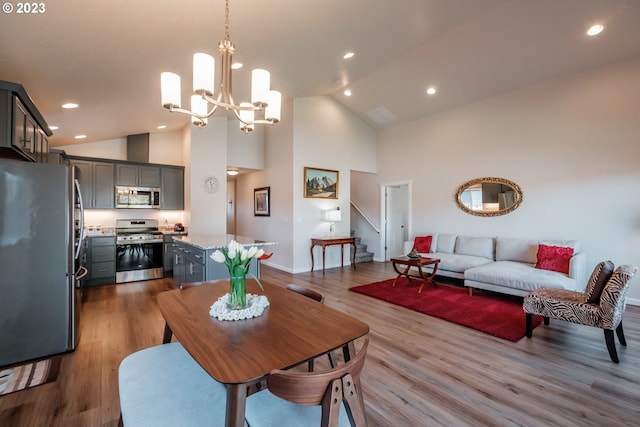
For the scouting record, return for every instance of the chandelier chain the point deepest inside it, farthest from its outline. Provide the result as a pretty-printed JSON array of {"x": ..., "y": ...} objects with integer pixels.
[{"x": 226, "y": 21}]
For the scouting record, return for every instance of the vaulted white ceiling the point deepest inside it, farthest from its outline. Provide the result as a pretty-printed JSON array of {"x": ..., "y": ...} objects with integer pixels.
[{"x": 108, "y": 55}]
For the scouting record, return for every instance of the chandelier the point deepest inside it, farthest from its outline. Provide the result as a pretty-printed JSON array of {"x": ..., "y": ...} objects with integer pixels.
[{"x": 264, "y": 101}]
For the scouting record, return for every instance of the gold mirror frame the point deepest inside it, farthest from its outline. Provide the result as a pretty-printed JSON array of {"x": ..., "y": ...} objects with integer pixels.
[{"x": 489, "y": 180}]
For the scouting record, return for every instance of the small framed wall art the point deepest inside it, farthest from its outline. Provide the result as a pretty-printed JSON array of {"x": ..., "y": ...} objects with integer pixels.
[
  {"x": 261, "y": 201},
  {"x": 321, "y": 183}
]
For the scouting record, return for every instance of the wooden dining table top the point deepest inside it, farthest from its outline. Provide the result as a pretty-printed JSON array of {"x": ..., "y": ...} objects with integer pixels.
[{"x": 292, "y": 329}]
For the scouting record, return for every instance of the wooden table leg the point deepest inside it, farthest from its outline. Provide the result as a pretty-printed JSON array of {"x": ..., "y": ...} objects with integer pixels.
[
  {"x": 236, "y": 404},
  {"x": 353, "y": 261},
  {"x": 323, "y": 248},
  {"x": 400, "y": 274},
  {"x": 311, "y": 250},
  {"x": 428, "y": 279}
]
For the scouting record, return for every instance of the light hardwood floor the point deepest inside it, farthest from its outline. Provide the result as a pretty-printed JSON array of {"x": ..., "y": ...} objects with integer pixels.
[{"x": 420, "y": 371}]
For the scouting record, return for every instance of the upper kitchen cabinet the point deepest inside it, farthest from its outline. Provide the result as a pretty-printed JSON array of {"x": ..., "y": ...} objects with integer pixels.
[
  {"x": 23, "y": 131},
  {"x": 133, "y": 175},
  {"x": 172, "y": 194},
  {"x": 96, "y": 183}
]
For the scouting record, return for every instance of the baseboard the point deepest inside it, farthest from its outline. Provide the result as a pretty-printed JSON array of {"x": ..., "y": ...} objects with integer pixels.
[{"x": 633, "y": 301}]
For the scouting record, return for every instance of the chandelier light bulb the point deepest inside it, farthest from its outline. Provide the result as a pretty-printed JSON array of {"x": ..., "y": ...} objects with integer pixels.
[
  {"x": 260, "y": 81},
  {"x": 170, "y": 90},
  {"x": 199, "y": 107},
  {"x": 272, "y": 112},
  {"x": 247, "y": 117},
  {"x": 203, "y": 73}
]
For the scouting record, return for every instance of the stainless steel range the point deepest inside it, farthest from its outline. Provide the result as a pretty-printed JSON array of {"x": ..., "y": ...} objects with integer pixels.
[{"x": 138, "y": 250}]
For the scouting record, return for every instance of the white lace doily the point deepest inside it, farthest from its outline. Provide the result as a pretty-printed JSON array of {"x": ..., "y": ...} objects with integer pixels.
[{"x": 255, "y": 307}]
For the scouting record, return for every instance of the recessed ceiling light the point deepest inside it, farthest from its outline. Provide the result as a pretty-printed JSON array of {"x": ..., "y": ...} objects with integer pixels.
[
  {"x": 70, "y": 105},
  {"x": 349, "y": 55},
  {"x": 80, "y": 136},
  {"x": 162, "y": 127},
  {"x": 347, "y": 92},
  {"x": 594, "y": 30},
  {"x": 53, "y": 127},
  {"x": 431, "y": 91},
  {"x": 232, "y": 172},
  {"x": 237, "y": 65}
]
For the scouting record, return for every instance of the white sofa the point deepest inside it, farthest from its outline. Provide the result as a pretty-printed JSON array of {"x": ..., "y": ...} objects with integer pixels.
[{"x": 502, "y": 264}]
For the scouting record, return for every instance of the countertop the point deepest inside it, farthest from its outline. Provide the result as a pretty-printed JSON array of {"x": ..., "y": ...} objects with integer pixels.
[{"x": 206, "y": 242}]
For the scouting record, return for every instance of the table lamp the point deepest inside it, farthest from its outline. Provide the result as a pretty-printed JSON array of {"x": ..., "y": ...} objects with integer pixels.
[{"x": 331, "y": 216}]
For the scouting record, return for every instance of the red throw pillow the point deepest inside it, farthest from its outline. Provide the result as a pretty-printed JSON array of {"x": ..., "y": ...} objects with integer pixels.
[
  {"x": 554, "y": 258},
  {"x": 422, "y": 244}
]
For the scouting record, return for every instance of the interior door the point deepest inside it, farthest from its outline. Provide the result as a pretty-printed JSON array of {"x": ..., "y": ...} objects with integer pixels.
[{"x": 397, "y": 219}]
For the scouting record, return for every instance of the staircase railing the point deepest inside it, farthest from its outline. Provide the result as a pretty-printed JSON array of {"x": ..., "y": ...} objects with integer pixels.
[{"x": 365, "y": 217}]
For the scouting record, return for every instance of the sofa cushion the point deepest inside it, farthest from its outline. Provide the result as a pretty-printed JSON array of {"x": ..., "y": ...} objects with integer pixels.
[
  {"x": 446, "y": 243},
  {"x": 422, "y": 244},
  {"x": 513, "y": 249},
  {"x": 575, "y": 244},
  {"x": 601, "y": 274},
  {"x": 554, "y": 258},
  {"x": 475, "y": 246},
  {"x": 458, "y": 263},
  {"x": 517, "y": 275}
]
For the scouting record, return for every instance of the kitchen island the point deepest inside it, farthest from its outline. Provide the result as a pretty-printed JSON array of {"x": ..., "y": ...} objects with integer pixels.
[{"x": 191, "y": 256}]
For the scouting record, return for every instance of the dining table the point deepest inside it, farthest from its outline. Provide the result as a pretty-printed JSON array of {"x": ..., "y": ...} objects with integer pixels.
[{"x": 242, "y": 353}]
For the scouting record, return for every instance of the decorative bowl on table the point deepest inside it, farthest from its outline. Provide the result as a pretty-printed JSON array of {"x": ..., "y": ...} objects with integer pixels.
[{"x": 413, "y": 254}]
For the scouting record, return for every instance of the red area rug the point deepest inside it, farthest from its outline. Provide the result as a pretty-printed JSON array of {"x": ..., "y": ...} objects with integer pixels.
[{"x": 497, "y": 315}]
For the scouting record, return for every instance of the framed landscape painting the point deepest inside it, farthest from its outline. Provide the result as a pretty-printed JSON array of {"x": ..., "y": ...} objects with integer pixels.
[
  {"x": 321, "y": 183},
  {"x": 261, "y": 202}
]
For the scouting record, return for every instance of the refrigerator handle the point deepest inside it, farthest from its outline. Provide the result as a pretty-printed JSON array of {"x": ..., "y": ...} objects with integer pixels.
[{"x": 81, "y": 238}]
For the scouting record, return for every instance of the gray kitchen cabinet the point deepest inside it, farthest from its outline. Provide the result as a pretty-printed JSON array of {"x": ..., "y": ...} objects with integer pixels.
[
  {"x": 169, "y": 254},
  {"x": 96, "y": 183},
  {"x": 135, "y": 175},
  {"x": 42, "y": 147},
  {"x": 188, "y": 264},
  {"x": 23, "y": 130},
  {"x": 172, "y": 188},
  {"x": 101, "y": 260}
]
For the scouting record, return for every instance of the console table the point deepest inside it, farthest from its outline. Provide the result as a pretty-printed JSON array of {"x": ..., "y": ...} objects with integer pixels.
[{"x": 329, "y": 241}]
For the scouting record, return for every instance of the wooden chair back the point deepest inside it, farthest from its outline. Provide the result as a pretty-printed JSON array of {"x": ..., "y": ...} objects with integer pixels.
[
  {"x": 327, "y": 388},
  {"x": 317, "y": 296},
  {"x": 307, "y": 292}
]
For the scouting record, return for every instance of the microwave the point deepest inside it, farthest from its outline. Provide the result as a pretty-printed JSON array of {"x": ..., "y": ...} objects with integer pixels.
[{"x": 137, "y": 197}]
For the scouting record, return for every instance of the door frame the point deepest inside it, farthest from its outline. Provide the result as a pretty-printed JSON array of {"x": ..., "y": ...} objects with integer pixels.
[{"x": 383, "y": 212}]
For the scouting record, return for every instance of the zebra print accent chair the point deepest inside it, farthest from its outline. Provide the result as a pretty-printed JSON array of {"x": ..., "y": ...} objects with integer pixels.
[{"x": 604, "y": 312}]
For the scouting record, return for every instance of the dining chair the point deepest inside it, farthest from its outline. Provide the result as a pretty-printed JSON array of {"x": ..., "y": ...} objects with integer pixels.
[
  {"x": 317, "y": 296},
  {"x": 168, "y": 333},
  {"x": 163, "y": 386},
  {"x": 331, "y": 398}
]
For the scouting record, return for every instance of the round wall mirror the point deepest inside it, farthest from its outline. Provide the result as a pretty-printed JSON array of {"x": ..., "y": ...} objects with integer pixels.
[{"x": 488, "y": 196}]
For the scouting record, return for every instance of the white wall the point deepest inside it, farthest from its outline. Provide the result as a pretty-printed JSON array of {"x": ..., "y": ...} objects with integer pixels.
[
  {"x": 208, "y": 157},
  {"x": 327, "y": 136},
  {"x": 245, "y": 150},
  {"x": 165, "y": 148},
  {"x": 278, "y": 175},
  {"x": 571, "y": 144}
]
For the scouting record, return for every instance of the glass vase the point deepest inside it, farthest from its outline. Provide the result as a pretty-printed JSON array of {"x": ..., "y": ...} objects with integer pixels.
[{"x": 237, "y": 292}]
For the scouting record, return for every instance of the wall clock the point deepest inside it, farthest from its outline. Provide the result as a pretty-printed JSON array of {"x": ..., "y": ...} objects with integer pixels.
[{"x": 210, "y": 184}]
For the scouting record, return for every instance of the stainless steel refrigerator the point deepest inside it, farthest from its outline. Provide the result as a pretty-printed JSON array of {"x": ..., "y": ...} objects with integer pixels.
[{"x": 40, "y": 234}]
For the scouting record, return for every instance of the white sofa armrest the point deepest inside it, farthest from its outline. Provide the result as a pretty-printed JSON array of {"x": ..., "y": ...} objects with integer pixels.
[
  {"x": 577, "y": 270},
  {"x": 408, "y": 245}
]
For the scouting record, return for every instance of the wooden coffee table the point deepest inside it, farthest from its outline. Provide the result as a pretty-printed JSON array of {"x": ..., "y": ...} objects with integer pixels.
[{"x": 405, "y": 263}]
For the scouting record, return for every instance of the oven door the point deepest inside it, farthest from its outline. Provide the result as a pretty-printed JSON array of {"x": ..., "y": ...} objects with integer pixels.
[{"x": 138, "y": 261}]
